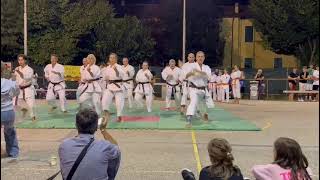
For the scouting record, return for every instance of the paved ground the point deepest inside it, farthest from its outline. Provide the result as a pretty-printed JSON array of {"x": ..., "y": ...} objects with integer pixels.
[{"x": 160, "y": 155}]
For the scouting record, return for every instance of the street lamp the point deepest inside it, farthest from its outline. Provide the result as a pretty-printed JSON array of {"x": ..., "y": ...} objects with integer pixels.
[
  {"x": 184, "y": 33},
  {"x": 25, "y": 31}
]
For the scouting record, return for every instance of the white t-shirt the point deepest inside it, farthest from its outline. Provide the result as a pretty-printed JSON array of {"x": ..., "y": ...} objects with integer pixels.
[{"x": 316, "y": 75}]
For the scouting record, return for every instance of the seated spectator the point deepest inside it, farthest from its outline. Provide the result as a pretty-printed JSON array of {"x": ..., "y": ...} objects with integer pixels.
[
  {"x": 221, "y": 167},
  {"x": 293, "y": 80},
  {"x": 302, "y": 82},
  {"x": 102, "y": 159},
  {"x": 289, "y": 163},
  {"x": 9, "y": 90}
]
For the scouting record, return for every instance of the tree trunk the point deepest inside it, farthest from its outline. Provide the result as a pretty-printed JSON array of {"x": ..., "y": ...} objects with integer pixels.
[{"x": 313, "y": 47}]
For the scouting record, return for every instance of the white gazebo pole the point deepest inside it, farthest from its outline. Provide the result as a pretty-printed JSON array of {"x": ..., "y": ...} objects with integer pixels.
[
  {"x": 184, "y": 33},
  {"x": 25, "y": 31}
]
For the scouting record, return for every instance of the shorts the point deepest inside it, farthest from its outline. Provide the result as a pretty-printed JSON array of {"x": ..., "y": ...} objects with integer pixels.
[
  {"x": 315, "y": 87},
  {"x": 308, "y": 87},
  {"x": 302, "y": 86},
  {"x": 292, "y": 86}
]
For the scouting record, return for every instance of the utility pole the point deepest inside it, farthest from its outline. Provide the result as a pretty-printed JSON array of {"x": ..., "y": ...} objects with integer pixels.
[
  {"x": 184, "y": 33},
  {"x": 25, "y": 31}
]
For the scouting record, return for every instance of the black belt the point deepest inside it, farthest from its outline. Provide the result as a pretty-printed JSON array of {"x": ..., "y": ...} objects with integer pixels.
[
  {"x": 115, "y": 82},
  {"x": 89, "y": 81},
  {"x": 173, "y": 86},
  {"x": 197, "y": 87},
  {"x": 127, "y": 80},
  {"x": 23, "y": 93},
  {"x": 54, "y": 84},
  {"x": 143, "y": 83}
]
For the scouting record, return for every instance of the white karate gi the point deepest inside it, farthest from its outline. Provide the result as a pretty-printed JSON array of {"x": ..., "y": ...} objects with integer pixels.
[
  {"x": 219, "y": 88},
  {"x": 144, "y": 88},
  {"x": 114, "y": 88},
  {"x": 199, "y": 95},
  {"x": 90, "y": 92},
  {"x": 56, "y": 85},
  {"x": 26, "y": 98},
  {"x": 128, "y": 83},
  {"x": 235, "y": 76},
  {"x": 171, "y": 76},
  {"x": 212, "y": 86},
  {"x": 186, "y": 67},
  {"x": 225, "y": 78},
  {"x": 82, "y": 83}
]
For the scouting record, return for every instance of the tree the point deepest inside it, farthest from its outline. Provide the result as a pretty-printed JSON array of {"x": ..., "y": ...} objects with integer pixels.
[
  {"x": 11, "y": 29},
  {"x": 289, "y": 27},
  {"x": 74, "y": 28}
]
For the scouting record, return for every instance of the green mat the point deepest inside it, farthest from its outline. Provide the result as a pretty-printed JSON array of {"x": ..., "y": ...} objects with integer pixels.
[{"x": 219, "y": 119}]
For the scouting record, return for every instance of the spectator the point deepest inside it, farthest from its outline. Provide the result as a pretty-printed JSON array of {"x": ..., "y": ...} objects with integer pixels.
[
  {"x": 315, "y": 77},
  {"x": 261, "y": 86},
  {"x": 309, "y": 84},
  {"x": 302, "y": 82},
  {"x": 222, "y": 167},
  {"x": 293, "y": 79},
  {"x": 103, "y": 156},
  {"x": 9, "y": 89},
  {"x": 289, "y": 163}
]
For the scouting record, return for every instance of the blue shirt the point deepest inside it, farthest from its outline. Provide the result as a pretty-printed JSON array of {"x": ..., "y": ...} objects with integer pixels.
[
  {"x": 9, "y": 89},
  {"x": 100, "y": 163}
]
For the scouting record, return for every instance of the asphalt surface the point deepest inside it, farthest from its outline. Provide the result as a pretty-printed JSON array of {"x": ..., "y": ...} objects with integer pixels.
[{"x": 160, "y": 155}]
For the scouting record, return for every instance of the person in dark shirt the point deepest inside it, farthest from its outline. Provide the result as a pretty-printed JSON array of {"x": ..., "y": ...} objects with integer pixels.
[
  {"x": 222, "y": 167},
  {"x": 292, "y": 80},
  {"x": 303, "y": 81},
  {"x": 261, "y": 86}
]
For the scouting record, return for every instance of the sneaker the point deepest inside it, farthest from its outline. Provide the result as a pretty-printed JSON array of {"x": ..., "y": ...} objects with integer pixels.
[{"x": 187, "y": 174}]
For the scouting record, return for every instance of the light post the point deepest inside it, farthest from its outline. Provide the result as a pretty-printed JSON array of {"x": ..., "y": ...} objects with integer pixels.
[
  {"x": 184, "y": 33},
  {"x": 25, "y": 31}
]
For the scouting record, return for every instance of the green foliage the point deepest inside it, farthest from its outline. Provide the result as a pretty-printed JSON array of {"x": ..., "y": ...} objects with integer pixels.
[
  {"x": 73, "y": 29},
  {"x": 289, "y": 26},
  {"x": 11, "y": 29}
]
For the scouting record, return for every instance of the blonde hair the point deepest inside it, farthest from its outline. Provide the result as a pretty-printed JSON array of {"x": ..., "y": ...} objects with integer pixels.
[{"x": 92, "y": 57}]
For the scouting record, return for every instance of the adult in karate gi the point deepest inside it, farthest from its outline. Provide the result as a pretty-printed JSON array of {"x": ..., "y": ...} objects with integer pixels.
[
  {"x": 198, "y": 79},
  {"x": 54, "y": 73},
  {"x": 171, "y": 75},
  {"x": 81, "y": 81},
  {"x": 184, "y": 70},
  {"x": 144, "y": 88},
  {"x": 24, "y": 78},
  {"x": 90, "y": 93},
  {"x": 113, "y": 74},
  {"x": 236, "y": 76},
  {"x": 128, "y": 80}
]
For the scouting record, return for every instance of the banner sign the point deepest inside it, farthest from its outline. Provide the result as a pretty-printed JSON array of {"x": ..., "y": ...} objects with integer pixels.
[{"x": 72, "y": 73}]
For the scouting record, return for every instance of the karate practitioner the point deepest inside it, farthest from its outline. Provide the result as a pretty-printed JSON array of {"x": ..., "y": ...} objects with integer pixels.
[
  {"x": 219, "y": 86},
  {"x": 54, "y": 73},
  {"x": 144, "y": 87},
  {"x": 184, "y": 70},
  {"x": 171, "y": 75},
  {"x": 198, "y": 79},
  {"x": 113, "y": 74},
  {"x": 225, "y": 78},
  {"x": 81, "y": 81},
  {"x": 212, "y": 86},
  {"x": 90, "y": 93},
  {"x": 24, "y": 78},
  {"x": 236, "y": 76},
  {"x": 128, "y": 80}
]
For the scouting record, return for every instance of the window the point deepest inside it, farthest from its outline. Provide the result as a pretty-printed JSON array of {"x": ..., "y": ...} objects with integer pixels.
[
  {"x": 249, "y": 34},
  {"x": 277, "y": 63},
  {"x": 248, "y": 63}
]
